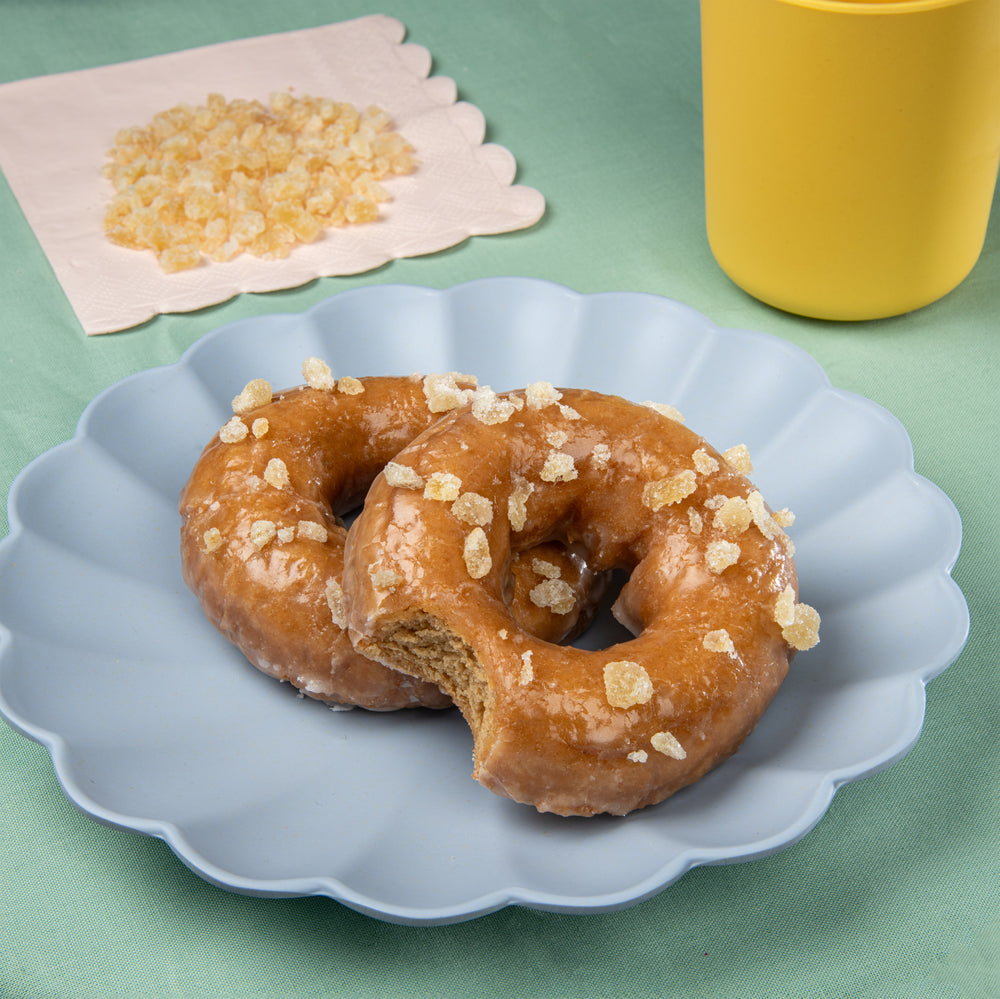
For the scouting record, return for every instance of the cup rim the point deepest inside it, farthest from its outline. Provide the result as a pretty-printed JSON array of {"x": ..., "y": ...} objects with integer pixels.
[{"x": 868, "y": 8}]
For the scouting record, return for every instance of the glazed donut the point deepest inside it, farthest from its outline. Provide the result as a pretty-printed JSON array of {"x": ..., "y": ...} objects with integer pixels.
[
  {"x": 262, "y": 541},
  {"x": 711, "y": 599}
]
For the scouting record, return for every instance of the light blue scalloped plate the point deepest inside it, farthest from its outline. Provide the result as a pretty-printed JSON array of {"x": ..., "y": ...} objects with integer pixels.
[{"x": 156, "y": 724}]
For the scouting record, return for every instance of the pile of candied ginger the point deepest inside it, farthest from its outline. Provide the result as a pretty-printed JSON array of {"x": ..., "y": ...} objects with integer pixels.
[{"x": 232, "y": 177}]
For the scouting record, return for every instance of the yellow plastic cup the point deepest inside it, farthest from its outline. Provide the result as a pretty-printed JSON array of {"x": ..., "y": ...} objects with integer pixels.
[{"x": 851, "y": 148}]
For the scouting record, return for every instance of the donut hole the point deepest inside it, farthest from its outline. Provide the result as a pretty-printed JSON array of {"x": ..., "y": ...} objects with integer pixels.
[{"x": 605, "y": 630}]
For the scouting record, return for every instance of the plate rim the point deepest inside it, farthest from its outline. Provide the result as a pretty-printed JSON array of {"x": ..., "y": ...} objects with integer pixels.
[{"x": 680, "y": 863}]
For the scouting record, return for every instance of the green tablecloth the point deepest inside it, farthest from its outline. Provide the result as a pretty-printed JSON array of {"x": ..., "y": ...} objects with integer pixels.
[{"x": 894, "y": 893}]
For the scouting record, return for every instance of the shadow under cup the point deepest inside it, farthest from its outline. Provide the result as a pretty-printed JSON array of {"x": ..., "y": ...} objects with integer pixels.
[{"x": 851, "y": 148}]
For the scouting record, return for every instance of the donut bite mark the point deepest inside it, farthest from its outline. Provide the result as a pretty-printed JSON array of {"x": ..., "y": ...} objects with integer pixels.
[
  {"x": 711, "y": 597},
  {"x": 262, "y": 540}
]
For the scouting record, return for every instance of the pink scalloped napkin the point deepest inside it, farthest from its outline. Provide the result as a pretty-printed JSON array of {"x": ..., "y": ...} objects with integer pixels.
[{"x": 55, "y": 132}]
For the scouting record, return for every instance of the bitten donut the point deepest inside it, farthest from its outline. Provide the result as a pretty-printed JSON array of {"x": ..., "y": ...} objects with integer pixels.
[
  {"x": 262, "y": 541},
  {"x": 711, "y": 597}
]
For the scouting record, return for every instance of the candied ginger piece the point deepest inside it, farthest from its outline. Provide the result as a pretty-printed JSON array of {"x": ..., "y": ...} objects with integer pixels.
[
  {"x": 517, "y": 504},
  {"x": 476, "y": 553},
  {"x": 310, "y": 530},
  {"x": 212, "y": 539},
  {"x": 627, "y": 684},
  {"x": 276, "y": 473},
  {"x": 704, "y": 463},
  {"x": 538, "y": 395},
  {"x": 720, "y": 555},
  {"x": 233, "y": 431},
  {"x": 527, "y": 672},
  {"x": 442, "y": 486},
  {"x": 669, "y": 490},
  {"x": 555, "y": 594},
  {"x": 667, "y": 743},
  {"x": 262, "y": 533},
  {"x": 402, "y": 476},
  {"x": 257, "y": 392},
  {"x": 719, "y": 641},
  {"x": 558, "y": 467},
  {"x": 317, "y": 374},
  {"x": 670, "y": 412},
  {"x": 803, "y": 632},
  {"x": 350, "y": 386},
  {"x": 335, "y": 601},
  {"x": 734, "y": 516},
  {"x": 738, "y": 458},
  {"x": 472, "y": 508}
]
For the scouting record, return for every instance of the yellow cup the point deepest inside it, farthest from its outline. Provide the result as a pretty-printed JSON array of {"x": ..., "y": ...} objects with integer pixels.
[{"x": 851, "y": 148}]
